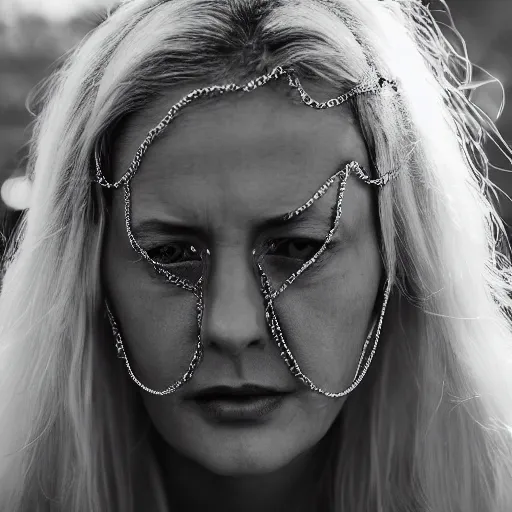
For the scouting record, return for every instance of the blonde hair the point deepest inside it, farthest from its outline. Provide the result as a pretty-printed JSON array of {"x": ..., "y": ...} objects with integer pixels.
[{"x": 430, "y": 426}]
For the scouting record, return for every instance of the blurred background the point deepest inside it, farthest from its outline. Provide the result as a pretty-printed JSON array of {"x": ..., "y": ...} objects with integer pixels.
[{"x": 35, "y": 34}]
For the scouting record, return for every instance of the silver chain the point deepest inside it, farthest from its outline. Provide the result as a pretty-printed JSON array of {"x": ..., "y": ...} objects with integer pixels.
[{"x": 371, "y": 84}]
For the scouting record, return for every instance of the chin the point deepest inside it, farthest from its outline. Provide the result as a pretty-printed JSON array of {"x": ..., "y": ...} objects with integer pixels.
[
  {"x": 245, "y": 464},
  {"x": 236, "y": 448},
  {"x": 244, "y": 452}
]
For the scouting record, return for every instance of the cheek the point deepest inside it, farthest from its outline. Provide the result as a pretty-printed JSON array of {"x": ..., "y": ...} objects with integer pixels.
[
  {"x": 325, "y": 319},
  {"x": 157, "y": 320}
]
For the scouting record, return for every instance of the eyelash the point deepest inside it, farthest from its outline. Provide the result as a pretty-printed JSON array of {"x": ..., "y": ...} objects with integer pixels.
[
  {"x": 181, "y": 245},
  {"x": 273, "y": 244},
  {"x": 276, "y": 243}
]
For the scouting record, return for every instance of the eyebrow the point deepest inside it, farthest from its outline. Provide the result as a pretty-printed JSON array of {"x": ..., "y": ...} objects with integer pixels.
[{"x": 145, "y": 230}]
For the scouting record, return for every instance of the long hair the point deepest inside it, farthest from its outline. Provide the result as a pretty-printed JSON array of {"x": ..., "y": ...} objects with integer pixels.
[{"x": 430, "y": 426}]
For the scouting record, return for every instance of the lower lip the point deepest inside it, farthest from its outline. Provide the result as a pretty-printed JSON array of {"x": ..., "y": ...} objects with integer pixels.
[{"x": 252, "y": 408}]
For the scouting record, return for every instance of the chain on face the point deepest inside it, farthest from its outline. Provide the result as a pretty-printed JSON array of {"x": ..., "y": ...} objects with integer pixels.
[
  {"x": 290, "y": 360},
  {"x": 269, "y": 294},
  {"x": 371, "y": 84},
  {"x": 194, "y": 363},
  {"x": 343, "y": 175}
]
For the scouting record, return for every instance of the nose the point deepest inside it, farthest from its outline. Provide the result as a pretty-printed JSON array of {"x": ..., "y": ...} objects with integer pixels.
[{"x": 234, "y": 313}]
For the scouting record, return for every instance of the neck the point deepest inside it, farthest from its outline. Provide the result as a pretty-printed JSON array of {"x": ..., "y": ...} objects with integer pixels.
[{"x": 191, "y": 487}]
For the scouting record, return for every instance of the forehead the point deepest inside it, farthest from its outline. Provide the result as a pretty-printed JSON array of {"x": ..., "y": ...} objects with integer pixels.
[{"x": 246, "y": 153}]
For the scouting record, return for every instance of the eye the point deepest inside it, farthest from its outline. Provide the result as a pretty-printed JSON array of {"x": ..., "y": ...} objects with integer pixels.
[
  {"x": 294, "y": 248},
  {"x": 174, "y": 253}
]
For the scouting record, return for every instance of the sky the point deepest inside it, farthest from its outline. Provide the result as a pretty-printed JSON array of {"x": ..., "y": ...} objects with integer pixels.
[{"x": 58, "y": 10}]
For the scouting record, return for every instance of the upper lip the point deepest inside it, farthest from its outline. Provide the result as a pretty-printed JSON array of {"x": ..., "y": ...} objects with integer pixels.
[{"x": 245, "y": 390}]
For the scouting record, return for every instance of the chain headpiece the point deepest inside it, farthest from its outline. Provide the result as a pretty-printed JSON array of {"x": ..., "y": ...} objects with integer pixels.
[{"x": 373, "y": 83}]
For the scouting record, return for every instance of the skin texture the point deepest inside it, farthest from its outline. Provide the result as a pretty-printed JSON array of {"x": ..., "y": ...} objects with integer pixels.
[{"x": 225, "y": 166}]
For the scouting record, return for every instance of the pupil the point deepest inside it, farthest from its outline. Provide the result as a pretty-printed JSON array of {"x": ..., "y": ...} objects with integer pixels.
[
  {"x": 293, "y": 249},
  {"x": 168, "y": 254}
]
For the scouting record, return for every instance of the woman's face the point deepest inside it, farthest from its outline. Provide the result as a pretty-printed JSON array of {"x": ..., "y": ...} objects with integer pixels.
[{"x": 212, "y": 179}]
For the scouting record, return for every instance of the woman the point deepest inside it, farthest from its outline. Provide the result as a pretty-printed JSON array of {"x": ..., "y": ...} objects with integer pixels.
[{"x": 259, "y": 270}]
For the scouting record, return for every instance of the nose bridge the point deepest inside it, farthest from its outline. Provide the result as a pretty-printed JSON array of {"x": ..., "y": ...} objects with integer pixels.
[{"x": 234, "y": 313}]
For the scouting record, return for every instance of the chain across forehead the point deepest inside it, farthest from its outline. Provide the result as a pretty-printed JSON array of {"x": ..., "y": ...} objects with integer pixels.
[{"x": 372, "y": 83}]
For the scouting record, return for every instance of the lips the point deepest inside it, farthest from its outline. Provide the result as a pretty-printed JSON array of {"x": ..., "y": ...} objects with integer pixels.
[{"x": 242, "y": 405}]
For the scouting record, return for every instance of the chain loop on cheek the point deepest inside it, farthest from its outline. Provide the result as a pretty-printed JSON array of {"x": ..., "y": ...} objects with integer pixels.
[
  {"x": 194, "y": 363},
  {"x": 269, "y": 296},
  {"x": 197, "y": 290}
]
